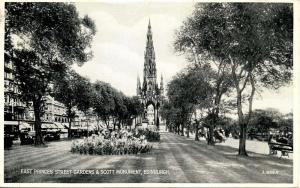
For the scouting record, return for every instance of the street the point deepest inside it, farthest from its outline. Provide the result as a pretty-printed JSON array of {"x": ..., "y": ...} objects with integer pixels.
[{"x": 184, "y": 161}]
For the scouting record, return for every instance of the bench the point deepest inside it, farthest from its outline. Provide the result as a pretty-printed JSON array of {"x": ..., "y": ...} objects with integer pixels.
[{"x": 284, "y": 148}]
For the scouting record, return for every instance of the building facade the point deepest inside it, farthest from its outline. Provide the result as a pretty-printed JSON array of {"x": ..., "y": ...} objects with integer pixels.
[
  {"x": 14, "y": 107},
  {"x": 149, "y": 92},
  {"x": 19, "y": 115},
  {"x": 54, "y": 111}
]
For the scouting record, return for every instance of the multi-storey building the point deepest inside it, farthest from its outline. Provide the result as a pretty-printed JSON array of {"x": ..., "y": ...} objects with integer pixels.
[
  {"x": 14, "y": 107},
  {"x": 19, "y": 114}
]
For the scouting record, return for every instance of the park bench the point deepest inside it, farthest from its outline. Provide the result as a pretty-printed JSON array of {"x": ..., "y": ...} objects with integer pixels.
[{"x": 284, "y": 148}]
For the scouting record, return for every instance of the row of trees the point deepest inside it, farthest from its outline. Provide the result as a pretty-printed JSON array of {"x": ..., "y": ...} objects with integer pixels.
[
  {"x": 241, "y": 48},
  {"x": 43, "y": 40},
  {"x": 77, "y": 92},
  {"x": 263, "y": 120},
  {"x": 196, "y": 89}
]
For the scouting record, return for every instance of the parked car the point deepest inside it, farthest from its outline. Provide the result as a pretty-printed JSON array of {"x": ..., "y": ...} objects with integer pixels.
[
  {"x": 27, "y": 137},
  {"x": 55, "y": 135}
]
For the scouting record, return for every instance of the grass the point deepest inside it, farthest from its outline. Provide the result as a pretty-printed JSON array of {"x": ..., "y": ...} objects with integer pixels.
[{"x": 186, "y": 160}]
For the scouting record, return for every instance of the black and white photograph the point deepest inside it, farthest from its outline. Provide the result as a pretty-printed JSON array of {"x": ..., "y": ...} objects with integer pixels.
[{"x": 149, "y": 93}]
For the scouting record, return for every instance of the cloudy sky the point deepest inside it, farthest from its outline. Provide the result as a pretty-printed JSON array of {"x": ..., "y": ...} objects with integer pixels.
[{"x": 120, "y": 41}]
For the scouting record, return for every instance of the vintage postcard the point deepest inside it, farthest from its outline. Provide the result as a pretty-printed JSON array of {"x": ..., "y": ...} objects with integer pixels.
[{"x": 149, "y": 93}]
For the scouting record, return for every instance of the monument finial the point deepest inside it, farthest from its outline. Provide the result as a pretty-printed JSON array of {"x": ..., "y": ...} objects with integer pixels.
[{"x": 149, "y": 23}]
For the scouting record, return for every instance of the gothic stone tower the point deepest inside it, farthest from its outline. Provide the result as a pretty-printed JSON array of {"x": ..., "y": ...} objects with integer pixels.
[{"x": 149, "y": 93}]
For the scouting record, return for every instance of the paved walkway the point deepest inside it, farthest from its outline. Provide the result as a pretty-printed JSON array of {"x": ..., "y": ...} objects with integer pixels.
[{"x": 181, "y": 160}]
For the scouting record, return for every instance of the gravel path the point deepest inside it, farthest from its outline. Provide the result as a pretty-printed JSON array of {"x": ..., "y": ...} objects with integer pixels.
[{"x": 180, "y": 160}]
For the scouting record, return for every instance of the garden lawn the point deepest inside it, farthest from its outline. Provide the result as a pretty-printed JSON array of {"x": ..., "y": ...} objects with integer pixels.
[{"x": 186, "y": 161}]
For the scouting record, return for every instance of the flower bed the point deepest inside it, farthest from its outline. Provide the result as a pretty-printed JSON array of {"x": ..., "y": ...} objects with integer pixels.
[{"x": 98, "y": 145}]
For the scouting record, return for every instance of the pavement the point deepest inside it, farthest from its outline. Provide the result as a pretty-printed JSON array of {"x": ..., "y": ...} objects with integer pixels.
[{"x": 175, "y": 159}]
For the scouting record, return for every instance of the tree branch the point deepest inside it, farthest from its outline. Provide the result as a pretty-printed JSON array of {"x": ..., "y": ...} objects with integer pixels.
[{"x": 245, "y": 83}]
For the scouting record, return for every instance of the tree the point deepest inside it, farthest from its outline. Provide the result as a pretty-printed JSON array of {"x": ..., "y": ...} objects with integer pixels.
[
  {"x": 255, "y": 40},
  {"x": 168, "y": 114},
  {"x": 261, "y": 121},
  {"x": 176, "y": 94},
  {"x": 109, "y": 103},
  {"x": 188, "y": 91},
  {"x": 120, "y": 111},
  {"x": 73, "y": 90},
  {"x": 103, "y": 101},
  {"x": 134, "y": 108},
  {"x": 42, "y": 40},
  {"x": 286, "y": 122},
  {"x": 187, "y": 42}
]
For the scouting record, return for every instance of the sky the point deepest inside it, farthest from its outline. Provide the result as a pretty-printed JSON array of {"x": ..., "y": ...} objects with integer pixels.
[{"x": 120, "y": 41}]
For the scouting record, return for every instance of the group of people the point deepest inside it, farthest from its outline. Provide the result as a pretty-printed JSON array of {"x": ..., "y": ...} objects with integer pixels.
[
  {"x": 218, "y": 134},
  {"x": 281, "y": 137}
]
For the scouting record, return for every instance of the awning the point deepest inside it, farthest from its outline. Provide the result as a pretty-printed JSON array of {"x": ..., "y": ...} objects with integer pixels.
[
  {"x": 24, "y": 125},
  {"x": 64, "y": 130},
  {"x": 59, "y": 125},
  {"x": 53, "y": 126},
  {"x": 44, "y": 126},
  {"x": 52, "y": 130},
  {"x": 11, "y": 123},
  {"x": 66, "y": 125},
  {"x": 75, "y": 128},
  {"x": 48, "y": 126}
]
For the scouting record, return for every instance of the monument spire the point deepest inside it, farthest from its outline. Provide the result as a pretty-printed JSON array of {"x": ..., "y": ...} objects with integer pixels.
[
  {"x": 149, "y": 91},
  {"x": 161, "y": 85},
  {"x": 138, "y": 87},
  {"x": 149, "y": 62}
]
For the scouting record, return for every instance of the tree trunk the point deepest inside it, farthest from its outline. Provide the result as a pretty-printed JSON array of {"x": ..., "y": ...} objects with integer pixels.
[
  {"x": 241, "y": 120},
  {"x": 188, "y": 131},
  {"x": 243, "y": 127},
  {"x": 242, "y": 143},
  {"x": 69, "y": 112},
  {"x": 182, "y": 129},
  {"x": 98, "y": 126},
  {"x": 87, "y": 126},
  {"x": 37, "y": 123},
  {"x": 119, "y": 125},
  {"x": 197, "y": 132},
  {"x": 210, "y": 138},
  {"x": 106, "y": 123},
  {"x": 212, "y": 123},
  {"x": 70, "y": 126}
]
